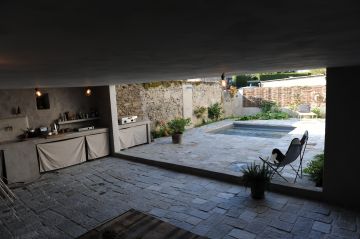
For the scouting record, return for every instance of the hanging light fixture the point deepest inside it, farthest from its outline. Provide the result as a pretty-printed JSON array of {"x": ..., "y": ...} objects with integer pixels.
[
  {"x": 38, "y": 92},
  {"x": 88, "y": 91}
]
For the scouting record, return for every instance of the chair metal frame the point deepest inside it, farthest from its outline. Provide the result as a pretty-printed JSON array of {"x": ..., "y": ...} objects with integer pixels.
[
  {"x": 278, "y": 167},
  {"x": 6, "y": 193}
]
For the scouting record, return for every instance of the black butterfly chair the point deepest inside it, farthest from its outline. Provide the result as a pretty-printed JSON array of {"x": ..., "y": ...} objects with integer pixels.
[{"x": 296, "y": 149}]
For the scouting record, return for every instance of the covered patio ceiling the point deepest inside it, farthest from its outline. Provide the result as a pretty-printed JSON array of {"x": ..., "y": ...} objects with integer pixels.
[{"x": 58, "y": 43}]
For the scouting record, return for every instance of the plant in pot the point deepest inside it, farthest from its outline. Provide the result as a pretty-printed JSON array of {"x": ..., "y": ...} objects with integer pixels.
[
  {"x": 257, "y": 177},
  {"x": 316, "y": 169},
  {"x": 177, "y": 128}
]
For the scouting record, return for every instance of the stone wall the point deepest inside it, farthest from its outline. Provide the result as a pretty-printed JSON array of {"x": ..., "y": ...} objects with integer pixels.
[
  {"x": 164, "y": 101},
  {"x": 129, "y": 100},
  {"x": 206, "y": 94},
  {"x": 285, "y": 96}
]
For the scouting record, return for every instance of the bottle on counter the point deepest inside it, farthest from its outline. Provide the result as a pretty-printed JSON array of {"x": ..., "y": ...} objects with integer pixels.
[{"x": 55, "y": 128}]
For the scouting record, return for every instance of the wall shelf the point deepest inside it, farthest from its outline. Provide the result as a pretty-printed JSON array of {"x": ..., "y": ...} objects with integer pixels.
[{"x": 78, "y": 120}]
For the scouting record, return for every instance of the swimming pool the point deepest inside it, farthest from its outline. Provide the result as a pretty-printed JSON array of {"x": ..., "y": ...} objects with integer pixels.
[{"x": 251, "y": 130}]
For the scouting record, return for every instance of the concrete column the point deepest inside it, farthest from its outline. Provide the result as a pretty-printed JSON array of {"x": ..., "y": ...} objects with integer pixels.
[
  {"x": 114, "y": 129},
  {"x": 187, "y": 90},
  {"x": 342, "y": 142}
]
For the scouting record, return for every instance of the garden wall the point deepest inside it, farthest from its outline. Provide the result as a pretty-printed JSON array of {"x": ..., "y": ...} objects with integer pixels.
[
  {"x": 285, "y": 96},
  {"x": 163, "y": 101}
]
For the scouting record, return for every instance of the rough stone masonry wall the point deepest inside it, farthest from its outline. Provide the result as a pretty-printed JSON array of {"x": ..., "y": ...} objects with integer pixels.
[
  {"x": 129, "y": 100},
  {"x": 163, "y": 101},
  {"x": 206, "y": 94},
  {"x": 285, "y": 96},
  {"x": 159, "y": 102}
]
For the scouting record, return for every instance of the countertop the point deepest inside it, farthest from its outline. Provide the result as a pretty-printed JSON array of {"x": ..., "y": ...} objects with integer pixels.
[
  {"x": 124, "y": 126},
  {"x": 52, "y": 138}
]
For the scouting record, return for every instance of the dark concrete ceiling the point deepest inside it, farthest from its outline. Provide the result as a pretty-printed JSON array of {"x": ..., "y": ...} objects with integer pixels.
[{"x": 77, "y": 43}]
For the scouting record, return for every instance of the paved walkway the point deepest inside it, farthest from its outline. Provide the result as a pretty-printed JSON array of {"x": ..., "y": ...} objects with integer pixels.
[
  {"x": 71, "y": 201},
  {"x": 228, "y": 153}
]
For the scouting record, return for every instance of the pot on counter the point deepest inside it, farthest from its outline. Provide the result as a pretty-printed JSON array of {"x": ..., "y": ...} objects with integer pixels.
[{"x": 31, "y": 133}]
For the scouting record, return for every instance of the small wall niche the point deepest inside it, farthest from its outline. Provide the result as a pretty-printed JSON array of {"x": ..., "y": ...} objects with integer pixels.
[{"x": 42, "y": 102}]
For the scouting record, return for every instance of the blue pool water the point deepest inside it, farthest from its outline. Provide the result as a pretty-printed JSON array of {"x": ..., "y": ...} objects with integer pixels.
[{"x": 261, "y": 131}]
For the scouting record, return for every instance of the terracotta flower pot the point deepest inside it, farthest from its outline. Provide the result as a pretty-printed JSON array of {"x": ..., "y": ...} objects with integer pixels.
[{"x": 177, "y": 138}]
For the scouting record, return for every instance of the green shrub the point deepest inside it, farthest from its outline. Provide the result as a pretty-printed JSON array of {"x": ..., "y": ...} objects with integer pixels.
[
  {"x": 199, "y": 111},
  {"x": 316, "y": 169},
  {"x": 247, "y": 117},
  {"x": 161, "y": 130},
  {"x": 242, "y": 80},
  {"x": 280, "y": 75},
  {"x": 268, "y": 106},
  {"x": 177, "y": 125},
  {"x": 265, "y": 116},
  {"x": 317, "y": 112},
  {"x": 214, "y": 111}
]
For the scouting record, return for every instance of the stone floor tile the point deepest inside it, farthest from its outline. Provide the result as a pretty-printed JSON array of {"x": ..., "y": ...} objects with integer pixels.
[
  {"x": 218, "y": 210},
  {"x": 158, "y": 212},
  {"x": 234, "y": 222},
  {"x": 339, "y": 232},
  {"x": 248, "y": 216},
  {"x": 288, "y": 217},
  {"x": 321, "y": 227},
  {"x": 302, "y": 226},
  {"x": 273, "y": 233},
  {"x": 225, "y": 195},
  {"x": 199, "y": 214},
  {"x": 70, "y": 228},
  {"x": 193, "y": 220},
  {"x": 199, "y": 201},
  {"x": 256, "y": 226},
  {"x": 235, "y": 212},
  {"x": 201, "y": 230},
  {"x": 314, "y": 234},
  {"x": 281, "y": 225},
  {"x": 219, "y": 231},
  {"x": 241, "y": 234}
]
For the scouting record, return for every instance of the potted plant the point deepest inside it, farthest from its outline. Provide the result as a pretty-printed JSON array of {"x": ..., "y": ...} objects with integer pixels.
[
  {"x": 316, "y": 169},
  {"x": 257, "y": 177},
  {"x": 177, "y": 128}
]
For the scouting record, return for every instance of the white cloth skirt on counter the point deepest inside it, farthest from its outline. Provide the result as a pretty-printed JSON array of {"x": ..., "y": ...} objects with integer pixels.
[
  {"x": 97, "y": 145},
  {"x": 61, "y": 154}
]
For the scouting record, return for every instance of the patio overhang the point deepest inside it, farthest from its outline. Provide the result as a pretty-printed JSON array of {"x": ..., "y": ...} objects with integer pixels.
[{"x": 100, "y": 43}]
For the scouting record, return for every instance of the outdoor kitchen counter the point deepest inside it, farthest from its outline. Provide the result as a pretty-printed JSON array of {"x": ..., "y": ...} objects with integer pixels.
[
  {"x": 133, "y": 134},
  {"x": 21, "y": 158},
  {"x": 52, "y": 138}
]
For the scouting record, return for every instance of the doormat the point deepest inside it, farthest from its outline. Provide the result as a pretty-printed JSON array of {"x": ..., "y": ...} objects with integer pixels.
[{"x": 137, "y": 225}]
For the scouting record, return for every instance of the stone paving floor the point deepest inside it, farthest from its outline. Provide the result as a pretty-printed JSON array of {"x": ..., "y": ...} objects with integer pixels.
[
  {"x": 71, "y": 201},
  {"x": 228, "y": 153}
]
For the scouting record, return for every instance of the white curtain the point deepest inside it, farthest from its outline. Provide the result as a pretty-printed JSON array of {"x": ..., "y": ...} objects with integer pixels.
[
  {"x": 133, "y": 136},
  {"x": 61, "y": 154},
  {"x": 97, "y": 145}
]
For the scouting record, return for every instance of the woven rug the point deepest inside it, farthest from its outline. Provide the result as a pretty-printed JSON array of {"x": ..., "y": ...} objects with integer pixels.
[{"x": 137, "y": 225}]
